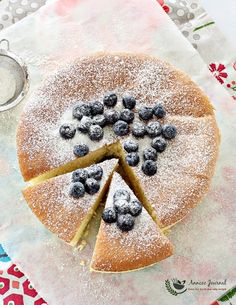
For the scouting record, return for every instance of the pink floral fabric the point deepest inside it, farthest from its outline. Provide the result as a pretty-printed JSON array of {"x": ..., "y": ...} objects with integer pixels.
[
  {"x": 197, "y": 26},
  {"x": 16, "y": 289}
]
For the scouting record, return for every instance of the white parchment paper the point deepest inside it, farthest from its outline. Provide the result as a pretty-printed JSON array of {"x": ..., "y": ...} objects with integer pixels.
[{"x": 204, "y": 242}]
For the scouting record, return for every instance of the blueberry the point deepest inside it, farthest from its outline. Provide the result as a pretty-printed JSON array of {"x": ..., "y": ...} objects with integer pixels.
[
  {"x": 121, "y": 194},
  {"x": 95, "y": 171},
  {"x": 125, "y": 222},
  {"x": 138, "y": 130},
  {"x": 77, "y": 190},
  {"x": 92, "y": 186},
  {"x": 84, "y": 124},
  {"x": 169, "y": 131},
  {"x": 76, "y": 113},
  {"x": 96, "y": 132},
  {"x": 150, "y": 154},
  {"x": 159, "y": 111},
  {"x": 97, "y": 108},
  {"x": 132, "y": 158},
  {"x": 109, "y": 215},
  {"x": 135, "y": 207},
  {"x": 153, "y": 129},
  {"x": 110, "y": 99},
  {"x": 149, "y": 167},
  {"x": 80, "y": 110},
  {"x": 145, "y": 113},
  {"x": 67, "y": 131},
  {"x": 159, "y": 144},
  {"x": 129, "y": 101},
  {"x": 80, "y": 175},
  {"x": 100, "y": 120},
  {"x": 111, "y": 116},
  {"x": 121, "y": 128},
  {"x": 81, "y": 150},
  {"x": 131, "y": 146},
  {"x": 127, "y": 115},
  {"x": 121, "y": 206}
]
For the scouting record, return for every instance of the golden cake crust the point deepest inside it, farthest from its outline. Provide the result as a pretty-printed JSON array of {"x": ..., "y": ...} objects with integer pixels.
[
  {"x": 113, "y": 256},
  {"x": 184, "y": 169},
  {"x": 57, "y": 210},
  {"x": 149, "y": 78},
  {"x": 118, "y": 251}
]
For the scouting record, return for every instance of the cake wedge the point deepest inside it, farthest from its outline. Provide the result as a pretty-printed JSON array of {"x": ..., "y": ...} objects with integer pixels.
[
  {"x": 128, "y": 238},
  {"x": 65, "y": 204}
]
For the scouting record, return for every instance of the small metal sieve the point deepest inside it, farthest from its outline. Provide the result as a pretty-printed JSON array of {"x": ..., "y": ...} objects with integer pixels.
[{"x": 14, "y": 78}]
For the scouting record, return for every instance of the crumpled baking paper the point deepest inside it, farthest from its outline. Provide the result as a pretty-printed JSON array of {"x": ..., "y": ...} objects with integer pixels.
[{"x": 204, "y": 241}]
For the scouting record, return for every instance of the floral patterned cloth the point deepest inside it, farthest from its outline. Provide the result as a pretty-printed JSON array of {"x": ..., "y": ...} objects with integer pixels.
[
  {"x": 199, "y": 29},
  {"x": 15, "y": 288}
]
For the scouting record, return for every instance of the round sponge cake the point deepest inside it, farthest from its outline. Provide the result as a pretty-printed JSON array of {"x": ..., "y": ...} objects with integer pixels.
[{"x": 184, "y": 169}]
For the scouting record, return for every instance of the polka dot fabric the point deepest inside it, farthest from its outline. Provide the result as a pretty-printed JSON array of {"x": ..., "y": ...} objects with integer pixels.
[
  {"x": 204, "y": 35},
  {"x": 12, "y": 11}
]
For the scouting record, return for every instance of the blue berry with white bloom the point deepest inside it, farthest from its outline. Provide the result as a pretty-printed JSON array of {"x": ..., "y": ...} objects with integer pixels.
[
  {"x": 169, "y": 131},
  {"x": 92, "y": 186},
  {"x": 127, "y": 115},
  {"x": 153, "y": 129},
  {"x": 138, "y": 130},
  {"x": 111, "y": 116},
  {"x": 150, "y": 154},
  {"x": 132, "y": 158},
  {"x": 96, "y": 132},
  {"x": 121, "y": 128},
  {"x": 159, "y": 111},
  {"x": 159, "y": 144},
  {"x": 129, "y": 101},
  {"x": 145, "y": 113},
  {"x": 110, "y": 99},
  {"x": 97, "y": 108},
  {"x": 81, "y": 150},
  {"x": 131, "y": 146},
  {"x": 149, "y": 167},
  {"x": 109, "y": 215},
  {"x": 77, "y": 190}
]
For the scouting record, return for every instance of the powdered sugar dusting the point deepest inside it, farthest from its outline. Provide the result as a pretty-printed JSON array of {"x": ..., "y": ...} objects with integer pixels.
[
  {"x": 145, "y": 241},
  {"x": 56, "y": 209},
  {"x": 39, "y": 144},
  {"x": 145, "y": 230},
  {"x": 184, "y": 169}
]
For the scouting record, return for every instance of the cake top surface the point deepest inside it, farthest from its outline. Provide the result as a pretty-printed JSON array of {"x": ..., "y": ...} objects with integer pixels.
[
  {"x": 144, "y": 232},
  {"x": 148, "y": 79},
  {"x": 57, "y": 208},
  {"x": 51, "y": 134},
  {"x": 121, "y": 249}
]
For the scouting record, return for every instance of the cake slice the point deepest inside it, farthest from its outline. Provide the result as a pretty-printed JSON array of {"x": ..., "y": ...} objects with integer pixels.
[
  {"x": 65, "y": 204},
  {"x": 128, "y": 238}
]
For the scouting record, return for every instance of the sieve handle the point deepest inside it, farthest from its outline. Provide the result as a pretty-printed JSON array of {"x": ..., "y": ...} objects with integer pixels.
[{"x": 6, "y": 43}]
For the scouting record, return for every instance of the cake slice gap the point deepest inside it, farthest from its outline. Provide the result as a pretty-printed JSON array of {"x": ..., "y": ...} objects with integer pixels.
[
  {"x": 119, "y": 246},
  {"x": 59, "y": 210}
]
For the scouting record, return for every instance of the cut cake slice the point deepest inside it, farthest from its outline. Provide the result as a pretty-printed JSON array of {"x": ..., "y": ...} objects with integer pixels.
[
  {"x": 117, "y": 250},
  {"x": 61, "y": 212}
]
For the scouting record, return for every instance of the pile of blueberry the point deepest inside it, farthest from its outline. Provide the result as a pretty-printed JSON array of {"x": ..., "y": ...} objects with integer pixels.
[
  {"x": 86, "y": 180},
  {"x": 93, "y": 117},
  {"x": 157, "y": 132},
  {"x": 123, "y": 211}
]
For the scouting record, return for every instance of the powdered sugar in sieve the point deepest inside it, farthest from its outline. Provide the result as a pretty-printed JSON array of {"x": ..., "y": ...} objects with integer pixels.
[{"x": 14, "y": 80}]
